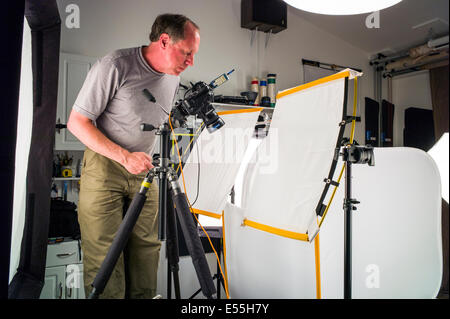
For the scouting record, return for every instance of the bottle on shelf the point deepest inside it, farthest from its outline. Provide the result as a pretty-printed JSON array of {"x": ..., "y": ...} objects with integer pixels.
[
  {"x": 263, "y": 93},
  {"x": 255, "y": 88},
  {"x": 271, "y": 88}
]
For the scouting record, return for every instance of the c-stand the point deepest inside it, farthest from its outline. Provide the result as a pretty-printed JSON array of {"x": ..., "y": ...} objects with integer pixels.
[
  {"x": 168, "y": 178},
  {"x": 352, "y": 154}
]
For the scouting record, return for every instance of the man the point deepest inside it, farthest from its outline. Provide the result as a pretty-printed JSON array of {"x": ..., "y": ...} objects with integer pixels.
[{"x": 106, "y": 117}]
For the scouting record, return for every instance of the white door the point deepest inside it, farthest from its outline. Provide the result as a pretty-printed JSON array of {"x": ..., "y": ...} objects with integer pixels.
[{"x": 72, "y": 73}]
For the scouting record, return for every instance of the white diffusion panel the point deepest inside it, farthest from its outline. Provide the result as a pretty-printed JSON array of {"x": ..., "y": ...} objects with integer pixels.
[
  {"x": 295, "y": 158},
  {"x": 397, "y": 246},
  {"x": 221, "y": 155}
]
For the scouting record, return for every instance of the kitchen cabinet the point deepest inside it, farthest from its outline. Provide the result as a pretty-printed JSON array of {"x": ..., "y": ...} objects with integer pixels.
[{"x": 64, "y": 271}]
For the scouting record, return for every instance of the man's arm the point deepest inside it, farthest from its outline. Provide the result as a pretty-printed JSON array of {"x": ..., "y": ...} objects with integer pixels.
[{"x": 83, "y": 128}]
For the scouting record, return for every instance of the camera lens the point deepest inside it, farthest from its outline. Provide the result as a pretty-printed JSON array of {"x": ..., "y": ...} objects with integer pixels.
[
  {"x": 212, "y": 120},
  {"x": 217, "y": 124},
  {"x": 362, "y": 155}
]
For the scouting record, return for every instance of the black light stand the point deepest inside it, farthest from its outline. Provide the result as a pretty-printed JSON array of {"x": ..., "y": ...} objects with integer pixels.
[
  {"x": 352, "y": 154},
  {"x": 167, "y": 179}
]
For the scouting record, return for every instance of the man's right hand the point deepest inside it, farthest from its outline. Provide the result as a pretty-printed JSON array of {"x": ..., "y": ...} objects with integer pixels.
[
  {"x": 83, "y": 128},
  {"x": 137, "y": 162}
]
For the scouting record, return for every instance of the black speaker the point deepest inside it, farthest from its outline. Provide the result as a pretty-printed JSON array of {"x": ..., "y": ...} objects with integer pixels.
[
  {"x": 419, "y": 128},
  {"x": 267, "y": 15},
  {"x": 372, "y": 114},
  {"x": 387, "y": 123}
]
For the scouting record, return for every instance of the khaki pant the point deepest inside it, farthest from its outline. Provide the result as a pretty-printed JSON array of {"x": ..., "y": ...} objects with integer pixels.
[{"x": 106, "y": 191}]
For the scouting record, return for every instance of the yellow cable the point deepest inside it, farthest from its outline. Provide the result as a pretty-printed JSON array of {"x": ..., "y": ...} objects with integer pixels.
[
  {"x": 224, "y": 252},
  {"x": 187, "y": 148},
  {"x": 355, "y": 95},
  {"x": 190, "y": 206}
]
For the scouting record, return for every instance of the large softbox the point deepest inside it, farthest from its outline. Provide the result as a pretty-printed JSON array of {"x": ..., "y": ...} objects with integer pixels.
[
  {"x": 45, "y": 24},
  {"x": 11, "y": 30}
]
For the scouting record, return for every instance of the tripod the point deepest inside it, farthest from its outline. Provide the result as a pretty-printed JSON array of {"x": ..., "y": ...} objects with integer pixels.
[{"x": 168, "y": 178}]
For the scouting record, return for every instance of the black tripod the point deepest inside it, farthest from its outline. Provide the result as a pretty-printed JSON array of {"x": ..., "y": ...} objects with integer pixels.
[{"x": 168, "y": 178}]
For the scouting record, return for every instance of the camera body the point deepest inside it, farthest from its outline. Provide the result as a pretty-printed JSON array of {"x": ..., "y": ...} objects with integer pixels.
[{"x": 197, "y": 101}]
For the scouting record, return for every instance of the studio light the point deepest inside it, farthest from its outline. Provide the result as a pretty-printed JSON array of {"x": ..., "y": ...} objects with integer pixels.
[
  {"x": 439, "y": 152},
  {"x": 341, "y": 7}
]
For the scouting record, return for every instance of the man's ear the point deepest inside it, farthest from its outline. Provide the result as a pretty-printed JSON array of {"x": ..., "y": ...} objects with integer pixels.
[{"x": 164, "y": 40}]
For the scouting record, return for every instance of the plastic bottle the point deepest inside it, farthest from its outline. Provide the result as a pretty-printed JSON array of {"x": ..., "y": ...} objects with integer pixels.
[
  {"x": 271, "y": 88},
  {"x": 262, "y": 89},
  {"x": 255, "y": 88}
]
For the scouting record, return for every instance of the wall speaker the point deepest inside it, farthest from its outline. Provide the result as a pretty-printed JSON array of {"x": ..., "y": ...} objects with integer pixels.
[{"x": 266, "y": 15}]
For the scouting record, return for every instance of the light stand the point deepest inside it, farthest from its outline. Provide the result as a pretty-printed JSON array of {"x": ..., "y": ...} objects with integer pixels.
[
  {"x": 352, "y": 154},
  {"x": 166, "y": 221}
]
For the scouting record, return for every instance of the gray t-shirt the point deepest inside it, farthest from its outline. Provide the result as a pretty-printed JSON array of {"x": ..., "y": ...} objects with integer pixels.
[{"x": 112, "y": 97}]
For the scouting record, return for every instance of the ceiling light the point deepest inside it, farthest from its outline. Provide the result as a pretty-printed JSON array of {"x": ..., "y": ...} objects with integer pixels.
[{"x": 341, "y": 7}]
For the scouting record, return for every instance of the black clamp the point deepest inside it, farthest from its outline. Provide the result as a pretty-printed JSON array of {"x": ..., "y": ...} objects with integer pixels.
[
  {"x": 350, "y": 119},
  {"x": 321, "y": 210},
  {"x": 350, "y": 203},
  {"x": 331, "y": 182}
]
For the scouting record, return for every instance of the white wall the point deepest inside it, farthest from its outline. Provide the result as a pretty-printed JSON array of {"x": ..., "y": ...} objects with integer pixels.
[
  {"x": 409, "y": 90},
  {"x": 106, "y": 25}
]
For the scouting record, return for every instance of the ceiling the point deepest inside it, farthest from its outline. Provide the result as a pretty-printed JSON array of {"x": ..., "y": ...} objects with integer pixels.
[{"x": 407, "y": 24}]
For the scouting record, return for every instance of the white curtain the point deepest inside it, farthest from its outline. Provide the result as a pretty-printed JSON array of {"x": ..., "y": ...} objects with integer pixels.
[{"x": 24, "y": 128}]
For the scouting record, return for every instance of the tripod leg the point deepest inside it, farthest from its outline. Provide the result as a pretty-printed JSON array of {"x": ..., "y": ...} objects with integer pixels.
[
  {"x": 193, "y": 243},
  {"x": 172, "y": 248},
  {"x": 162, "y": 227},
  {"x": 119, "y": 241}
]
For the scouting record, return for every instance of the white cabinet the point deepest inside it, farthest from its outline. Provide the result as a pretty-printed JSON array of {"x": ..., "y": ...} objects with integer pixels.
[
  {"x": 54, "y": 283},
  {"x": 72, "y": 73},
  {"x": 64, "y": 271}
]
